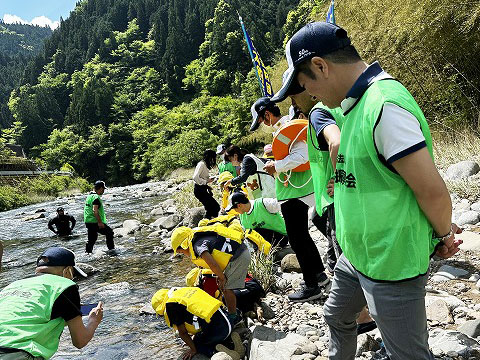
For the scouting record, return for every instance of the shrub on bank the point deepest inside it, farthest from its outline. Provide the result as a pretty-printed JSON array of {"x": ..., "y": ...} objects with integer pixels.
[{"x": 32, "y": 190}]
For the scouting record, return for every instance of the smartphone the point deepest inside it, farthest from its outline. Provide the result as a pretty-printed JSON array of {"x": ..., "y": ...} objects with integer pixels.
[{"x": 85, "y": 309}]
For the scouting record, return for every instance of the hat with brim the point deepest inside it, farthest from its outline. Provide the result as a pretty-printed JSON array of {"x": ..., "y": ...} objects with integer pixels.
[
  {"x": 236, "y": 198},
  {"x": 258, "y": 107},
  {"x": 180, "y": 237},
  {"x": 59, "y": 256},
  {"x": 290, "y": 85}
]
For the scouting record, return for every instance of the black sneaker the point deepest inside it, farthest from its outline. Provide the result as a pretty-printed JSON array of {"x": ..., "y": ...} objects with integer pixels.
[
  {"x": 306, "y": 293},
  {"x": 366, "y": 327}
]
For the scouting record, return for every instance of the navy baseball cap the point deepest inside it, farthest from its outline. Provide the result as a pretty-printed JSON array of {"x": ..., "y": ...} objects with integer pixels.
[
  {"x": 238, "y": 197},
  {"x": 99, "y": 184},
  {"x": 258, "y": 107},
  {"x": 314, "y": 39},
  {"x": 59, "y": 256}
]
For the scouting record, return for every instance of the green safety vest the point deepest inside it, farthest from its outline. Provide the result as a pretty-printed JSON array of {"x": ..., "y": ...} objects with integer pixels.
[
  {"x": 227, "y": 166},
  {"x": 88, "y": 215},
  {"x": 25, "y": 310},
  {"x": 380, "y": 227},
  {"x": 260, "y": 217},
  {"x": 320, "y": 164}
]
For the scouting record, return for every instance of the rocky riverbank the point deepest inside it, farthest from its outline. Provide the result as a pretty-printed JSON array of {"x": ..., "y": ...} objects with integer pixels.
[{"x": 298, "y": 331}]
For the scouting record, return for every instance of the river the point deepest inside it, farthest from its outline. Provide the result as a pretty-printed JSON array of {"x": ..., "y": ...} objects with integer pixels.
[{"x": 125, "y": 282}]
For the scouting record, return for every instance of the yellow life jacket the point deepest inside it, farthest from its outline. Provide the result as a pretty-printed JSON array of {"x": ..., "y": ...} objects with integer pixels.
[
  {"x": 193, "y": 276},
  {"x": 198, "y": 303},
  {"x": 232, "y": 240},
  {"x": 226, "y": 193},
  {"x": 263, "y": 245},
  {"x": 230, "y": 220}
]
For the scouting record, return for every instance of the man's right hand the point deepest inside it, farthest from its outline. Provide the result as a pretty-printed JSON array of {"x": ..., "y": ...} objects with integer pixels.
[
  {"x": 221, "y": 280},
  {"x": 96, "y": 314},
  {"x": 330, "y": 187},
  {"x": 101, "y": 225},
  {"x": 450, "y": 245}
]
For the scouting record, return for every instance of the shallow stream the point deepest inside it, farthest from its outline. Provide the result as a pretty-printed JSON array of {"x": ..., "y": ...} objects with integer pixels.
[{"x": 125, "y": 282}]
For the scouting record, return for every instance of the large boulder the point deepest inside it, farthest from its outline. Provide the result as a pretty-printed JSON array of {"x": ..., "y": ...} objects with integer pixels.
[
  {"x": 268, "y": 342},
  {"x": 470, "y": 328},
  {"x": 170, "y": 222},
  {"x": 453, "y": 344},
  {"x": 290, "y": 264},
  {"x": 462, "y": 170},
  {"x": 131, "y": 226},
  {"x": 468, "y": 217},
  {"x": 33, "y": 217},
  {"x": 193, "y": 216}
]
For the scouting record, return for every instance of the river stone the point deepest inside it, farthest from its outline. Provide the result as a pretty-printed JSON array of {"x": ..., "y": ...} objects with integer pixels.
[
  {"x": 290, "y": 264},
  {"x": 221, "y": 356},
  {"x": 462, "y": 170},
  {"x": 33, "y": 217},
  {"x": 157, "y": 222},
  {"x": 471, "y": 240},
  {"x": 452, "y": 301},
  {"x": 366, "y": 343},
  {"x": 267, "y": 341},
  {"x": 475, "y": 206},
  {"x": 268, "y": 313},
  {"x": 157, "y": 211},
  {"x": 147, "y": 309},
  {"x": 452, "y": 343},
  {"x": 170, "y": 222},
  {"x": 114, "y": 290},
  {"x": 439, "y": 311},
  {"x": 303, "y": 329},
  {"x": 451, "y": 272},
  {"x": 464, "y": 204},
  {"x": 131, "y": 225},
  {"x": 470, "y": 328},
  {"x": 155, "y": 234},
  {"x": 87, "y": 268},
  {"x": 120, "y": 232},
  {"x": 193, "y": 216},
  {"x": 279, "y": 254},
  {"x": 468, "y": 217},
  {"x": 167, "y": 203},
  {"x": 39, "y": 211}
]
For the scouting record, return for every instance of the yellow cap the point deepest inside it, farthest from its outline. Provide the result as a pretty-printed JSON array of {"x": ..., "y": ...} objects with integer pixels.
[
  {"x": 224, "y": 177},
  {"x": 180, "y": 237},
  {"x": 159, "y": 300}
]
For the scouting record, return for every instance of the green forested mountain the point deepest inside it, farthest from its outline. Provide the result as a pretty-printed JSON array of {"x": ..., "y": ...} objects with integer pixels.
[
  {"x": 18, "y": 44},
  {"x": 126, "y": 89}
]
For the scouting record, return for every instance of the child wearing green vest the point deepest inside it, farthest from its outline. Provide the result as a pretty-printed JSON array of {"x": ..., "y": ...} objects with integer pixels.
[
  {"x": 261, "y": 215},
  {"x": 392, "y": 208},
  {"x": 34, "y": 311}
]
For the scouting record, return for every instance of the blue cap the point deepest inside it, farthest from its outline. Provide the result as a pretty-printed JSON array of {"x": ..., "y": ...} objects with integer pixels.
[
  {"x": 314, "y": 39},
  {"x": 59, "y": 256},
  {"x": 258, "y": 107}
]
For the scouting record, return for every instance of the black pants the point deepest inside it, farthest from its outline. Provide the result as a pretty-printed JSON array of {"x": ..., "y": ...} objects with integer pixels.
[
  {"x": 326, "y": 225},
  {"x": 93, "y": 230},
  {"x": 204, "y": 194},
  {"x": 273, "y": 237},
  {"x": 295, "y": 213},
  {"x": 214, "y": 333}
]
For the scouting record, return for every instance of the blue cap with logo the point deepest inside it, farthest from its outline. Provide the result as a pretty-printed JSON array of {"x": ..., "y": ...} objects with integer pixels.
[
  {"x": 59, "y": 256},
  {"x": 314, "y": 39}
]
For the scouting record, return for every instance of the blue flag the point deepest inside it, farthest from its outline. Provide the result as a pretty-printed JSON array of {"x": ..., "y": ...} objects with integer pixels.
[
  {"x": 331, "y": 13},
  {"x": 260, "y": 71}
]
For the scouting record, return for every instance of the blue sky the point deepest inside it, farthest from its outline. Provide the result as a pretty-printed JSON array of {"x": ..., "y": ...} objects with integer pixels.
[{"x": 42, "y": 12}]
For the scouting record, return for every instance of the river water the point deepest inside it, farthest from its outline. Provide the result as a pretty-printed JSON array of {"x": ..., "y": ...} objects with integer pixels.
[{"x": 125, "y": 282}]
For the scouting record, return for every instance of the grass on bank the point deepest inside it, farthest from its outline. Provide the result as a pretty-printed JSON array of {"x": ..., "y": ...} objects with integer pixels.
[{"x": 28, "y": 191}]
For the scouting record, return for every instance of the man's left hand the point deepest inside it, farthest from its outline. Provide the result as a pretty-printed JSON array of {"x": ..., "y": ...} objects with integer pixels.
[
  {"x": 450, "y": 245},
  {"x": 188, "y": 354},
  {"x": 270, "y": 167}
]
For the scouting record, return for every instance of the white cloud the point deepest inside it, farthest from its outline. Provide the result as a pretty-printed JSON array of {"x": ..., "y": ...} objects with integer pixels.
[
  {"x": 39, "y": 20},
  {"x": 44, "y": 21}
]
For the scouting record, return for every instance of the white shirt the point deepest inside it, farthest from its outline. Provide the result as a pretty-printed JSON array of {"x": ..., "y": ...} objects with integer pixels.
[
  {"x": 201, "y": 174},
  {"x": 272, "y": 205}
]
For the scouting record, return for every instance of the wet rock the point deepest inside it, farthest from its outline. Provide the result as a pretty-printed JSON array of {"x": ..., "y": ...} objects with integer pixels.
[
  {"x": 168, "y": 203},
  {"x": 33, "y": 217},
  {"x": 147, "y": 189},
  {"x": 147, "y": 309},
  {"x": 468, "y": 217},
  {"x": 120, "y": 232},
  {"x": 462, "y": 170},
  {"x": 155, "y": 234},
  {"x": 170, "y": 222},
  {"x": 40, "y": 211},
  {"x": 447, "y": 272},
  {"x": 366, "y": 343},
  {"x": 87, "y": 268},
  {"x": 114, "y": 290},
  {"x": 470, "y": 328},
  {"x": 290, "y": 264},
  {"x": 157, "y": 222},
  {"x": 452, "y": 343},
  {"x": 193, "y": 216},
  {"x": 131, "y": 226},
  {"x": 171, "y": 210},
  {"x": 438, "y": 311},
  {"x": 157, "y": 212}
]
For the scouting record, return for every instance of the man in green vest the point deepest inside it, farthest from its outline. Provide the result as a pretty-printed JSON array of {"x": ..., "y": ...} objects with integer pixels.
[
  {"x": 295, "y": 194},
  {"x": 262, "y": 215},
  {"x": 392, "y": 208},
  {"x": 34, "y": 311},
  {"x": 95, "y": 219}
]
